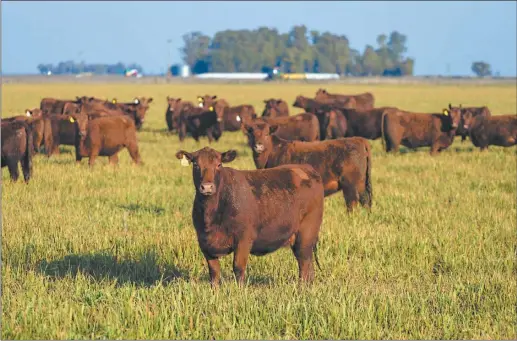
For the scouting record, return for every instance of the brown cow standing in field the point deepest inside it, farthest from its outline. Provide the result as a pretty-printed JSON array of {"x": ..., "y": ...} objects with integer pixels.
[
  {"x": 362, "y": 102},
  {"x": 255, "y": 212},
  {"x": 17, "y": 147},
  {"x": 301, "y": 127},
  {"x": 275, "y": 108},
  {"x": 230, "y": 117},
  {"x": 499, "y": 130},
  {"x": 198, "y": 122},
  {"x": 475, "y": 111},
  {"x": 36, "y": 120},
  {"x": 104, "y": 136},
  {"x": 53, "y": 106},
  {"x": 415, "y": 130},
  {"x": 344, "y": 164},
  {"x": 174, "y": 108}
]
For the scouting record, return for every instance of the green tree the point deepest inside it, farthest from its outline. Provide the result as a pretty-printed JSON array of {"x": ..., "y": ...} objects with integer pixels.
[{"x": 481, "y": 69}]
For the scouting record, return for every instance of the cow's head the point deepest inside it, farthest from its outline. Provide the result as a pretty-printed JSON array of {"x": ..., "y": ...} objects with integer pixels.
[
  {"x": 321, "y": 94},
  {"x": 72, "y": 108},
  {"x": 259, "y": 136},
  {"x": 272, "y": 107},
  {"x": 467, "y": 119},
  {"x": 81, "y": 123},
  {"x": 300, "y": 102},
  {"x": 141, "y": 106},
  {"x": 207, "y": 164},
  {"x": 453, "y": 116},
  {"x": 206, "y": 101},
  {"x": 36, "y": 112}
]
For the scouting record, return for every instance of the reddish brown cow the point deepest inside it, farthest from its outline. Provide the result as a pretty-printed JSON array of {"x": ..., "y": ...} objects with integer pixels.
[
  {"x": 255, "y": 212},
  {"x": 59, "y": 131},
  {"x": 362, "y": 102},
  {"x": 17, "y": 147},
  {"x": 301, "y": 127},
  {"x": 104, "y": 136},
  {"x": 499, "y": 130},
  {"x": 475, "y": 111},
  {"x": 275, "y": 108},
  {"x": 344, "y": 164},
  {"x": 415, "y": 130},
  {"x": 53, "y": 106}
]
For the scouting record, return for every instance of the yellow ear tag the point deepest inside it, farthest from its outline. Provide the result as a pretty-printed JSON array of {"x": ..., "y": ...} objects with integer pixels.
[
  {"x": 114, "y": 101},
  {"x": 184, "y": 161},
  {"x": 72, "y": 119},
  {"x": 445, "y": 112},
  {"x": 199, "y": 99},
  {"x": 211, "y": 108}
]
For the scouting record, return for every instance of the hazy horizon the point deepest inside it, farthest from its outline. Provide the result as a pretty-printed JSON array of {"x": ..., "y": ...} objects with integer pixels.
[{"x": 443, "y": 37}]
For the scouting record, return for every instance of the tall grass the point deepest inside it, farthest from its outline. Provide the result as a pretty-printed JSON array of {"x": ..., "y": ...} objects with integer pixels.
[{"x": 111, "y": 252}]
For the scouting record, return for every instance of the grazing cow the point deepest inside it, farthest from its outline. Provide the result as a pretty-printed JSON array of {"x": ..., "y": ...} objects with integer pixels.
[
  {"x": 499, "y": 130},
  {"x": 475, "y": 111},
  {"x": 362, "y": 102},
  {"x": 17, "y": 147},
  {"x": 301, "y": 127},
  {"x": 104, "y": 136},
  {"x": 415, "y": 130},
  {"x": 229, "y": 117},
  {"x": 199, "y": 122},
  {"x": 174, "y": 108},
  {"x": 275, "y": 108},
  {"x": 344, "y": 164},
  {"x": 257, "y": 211}
]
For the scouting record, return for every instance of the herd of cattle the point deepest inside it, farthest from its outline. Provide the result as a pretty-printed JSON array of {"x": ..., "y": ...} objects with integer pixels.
[{"x": 300, "y": 159}]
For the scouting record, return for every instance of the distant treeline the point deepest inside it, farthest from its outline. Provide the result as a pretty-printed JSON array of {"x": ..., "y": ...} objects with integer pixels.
[
  {"x": 298, "y": 50},
  {"x": 71, "y": 67}
]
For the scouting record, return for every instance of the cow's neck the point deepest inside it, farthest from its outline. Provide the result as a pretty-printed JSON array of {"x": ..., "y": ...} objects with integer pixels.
[{"x": 211, "y": 208}]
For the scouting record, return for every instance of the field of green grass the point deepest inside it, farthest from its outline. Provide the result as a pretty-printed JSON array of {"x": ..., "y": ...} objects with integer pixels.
[{"x": 112, "y": 253}]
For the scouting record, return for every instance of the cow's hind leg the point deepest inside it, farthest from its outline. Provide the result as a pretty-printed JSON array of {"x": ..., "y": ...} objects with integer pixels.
[
  {"x": 113, "y": 159},
  {"x": 12, "y": 165},
  {"x": 305, "y": 241},
  {"x": 350, "y": 194},
  {"x": 132, "y": 148}
]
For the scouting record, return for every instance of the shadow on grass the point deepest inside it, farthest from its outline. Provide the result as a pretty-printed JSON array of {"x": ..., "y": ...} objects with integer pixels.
[
  {"x": 142, "y": 271},
  {"x": 138, "y": 208}
]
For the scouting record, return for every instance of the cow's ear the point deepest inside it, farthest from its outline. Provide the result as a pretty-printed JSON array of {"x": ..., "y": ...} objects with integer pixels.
[
  {"x": 214, "y": 97},
  {"x": 168, "y": 98},
  {"x": 183, "y": 154},
  {"x": 266, "y": 101},
  {"x": 150, "y": 100},
  {"x": 228, "y": 156},
  {"x": 450, "y": 106},
  {"x": 446, "y": 112},
  {"x": 28, "y": 112},
  {"x": 272, "y": 129},
  {"x": 178, "y": 100},
  {"x": 278, "y": 101}
]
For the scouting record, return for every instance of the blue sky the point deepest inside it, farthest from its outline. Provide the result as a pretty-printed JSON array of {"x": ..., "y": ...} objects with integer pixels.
[{"x": 443, "y": 37}]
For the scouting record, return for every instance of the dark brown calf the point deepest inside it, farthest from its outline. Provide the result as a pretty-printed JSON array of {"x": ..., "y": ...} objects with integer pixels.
[
  {"x": 17, "y": 147},
  {"x": 229, "y": 117},
  {"x": 362, "y": 102},
  {"x": 301, "y": 127},
  {"x": 199, "y": 122},
  {"x": 254, "y": 212},
  {"x": 344, "y": 164},
  {"x": 420, "y": 130},
  {"x": 499, "y": 130},
  {"x": 275, "y": 108},
  {"x": 36, "y": 120},
  {"x": 104, "y": 136}
]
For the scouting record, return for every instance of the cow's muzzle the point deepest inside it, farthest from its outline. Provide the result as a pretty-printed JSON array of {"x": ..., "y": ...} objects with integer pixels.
[
  {"x": 259, "y": 148},
  {"x": 466, "y": 126},
  {"x": 200, "y": 104},
  {"x": 207, "y": 188},
  {"x": 219, "y": 119}
]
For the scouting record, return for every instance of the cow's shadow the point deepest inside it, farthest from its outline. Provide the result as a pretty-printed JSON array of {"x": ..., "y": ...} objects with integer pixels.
[{"x": 143, "y": 271}]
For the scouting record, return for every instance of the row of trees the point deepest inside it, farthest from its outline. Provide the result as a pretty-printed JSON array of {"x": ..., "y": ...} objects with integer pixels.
[
  {"x": 71, "y": 67},
  {"x": 298, "y": 50}
]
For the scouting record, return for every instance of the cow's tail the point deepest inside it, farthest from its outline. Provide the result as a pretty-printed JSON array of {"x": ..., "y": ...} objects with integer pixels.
[
  {"x": 27, "y": 156},
  {"x": 367, "y": 196},
  {"x": 383, "y": 137},
  {"x": 315, "y": 251}
]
